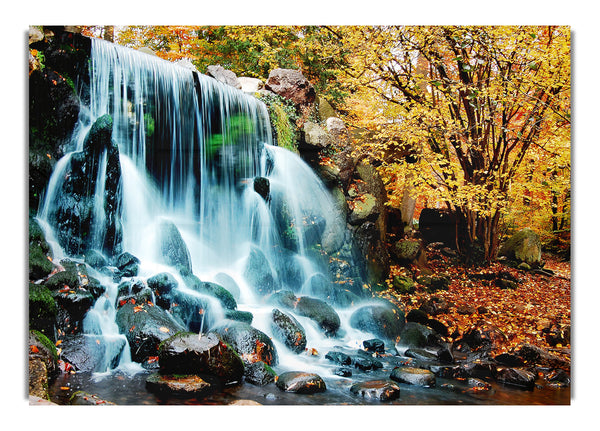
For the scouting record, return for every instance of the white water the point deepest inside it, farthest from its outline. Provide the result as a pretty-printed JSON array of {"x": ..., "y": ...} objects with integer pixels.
[{"x": 190, "y": 156}]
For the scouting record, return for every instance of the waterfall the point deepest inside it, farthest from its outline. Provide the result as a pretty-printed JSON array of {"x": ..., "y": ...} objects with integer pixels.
[{"x": 189, "y": 152}]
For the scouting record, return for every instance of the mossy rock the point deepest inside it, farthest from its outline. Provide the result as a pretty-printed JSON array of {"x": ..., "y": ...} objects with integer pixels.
[
  {"x": 523, "y": 246},
  {"x": 403, "y": 284},
  {"x": 42, "y": 310}
]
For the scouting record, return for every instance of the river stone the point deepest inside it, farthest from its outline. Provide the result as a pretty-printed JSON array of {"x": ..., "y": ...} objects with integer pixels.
[
  {"x": 162, "y": 284},
  {"x": 339, "y": 358},
  {"x": 300, "y": 382},
  {"x": 89, "y": 353},
  {"x": 516, "y": 377},
  {"x": 383, "y": 320},
  {"x": 189, "y": 353},
  {"x": 81, "y": 398},
  {"x": 374, "y": 345},
  {"x": 213, "y": 289},
  {"x": 259, "y": 374},
  {"x": 413, "y": 376},
  {"x": 321, "y": 312},
  {"x": 180, "y": 385},
  {"x": 523, "y": 246},
  {"x": 172, "y": 246},
  {"x": 127, "y": 264},
  {"x": 288, "y": 331},
  {"x": 145, "y": 328},
  {"x": 240, "y": 316},
  {"x": 250, "y": 343},
  {"x": 291, "y": 84},
  {"x": 376, "y": 390},
  {"x": 262, "y": 186}
]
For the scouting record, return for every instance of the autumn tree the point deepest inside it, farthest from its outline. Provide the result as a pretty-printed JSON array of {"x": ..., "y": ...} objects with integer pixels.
[{"x": 471, "y": 103}]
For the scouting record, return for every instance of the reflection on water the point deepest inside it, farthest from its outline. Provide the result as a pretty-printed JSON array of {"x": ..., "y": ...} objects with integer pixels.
[{"x": 123, "y": 389}]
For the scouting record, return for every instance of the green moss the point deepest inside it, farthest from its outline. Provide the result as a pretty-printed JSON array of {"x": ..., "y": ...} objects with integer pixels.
[
  {"x": 45, "y": 341},
  {"x": 283, "y": 119}
]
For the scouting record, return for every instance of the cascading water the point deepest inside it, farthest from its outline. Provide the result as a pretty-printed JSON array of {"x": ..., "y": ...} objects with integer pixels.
[{"x": 189, "y": 158}]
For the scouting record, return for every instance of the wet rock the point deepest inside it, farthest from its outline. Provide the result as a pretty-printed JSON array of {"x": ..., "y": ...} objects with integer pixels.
[
  {"x": 481, "y": 369},
  {"x": 413, "y": 376},
  {"x": 415, "y": 335},
  {"x": 403, "y": 285},
  {"x": 228, "y": 283},
  {"x": 339, "y": 358},
  {"x": 418, "y": 316},
  {"x": 43, "y": 364},
  {"x": 517, "y": 377},
  {"x": 376, "y": 390},
  {"x": 89, "y": 353},
  {"x": 213, "y": 289},
  {"x": 288, "y": 330},
  {"x": 188, "y": 353},
  {"x": 262, "y": 187},
  {"x": 435, "y": 305},
  {"x": 145, "y": 328},
  {"x": 422, "y": 354},
  {"x": 95, "y": 259},
  {"x": 81, "y": 398},
  {"x": 178, "y": 386},
  {"x": 127, "y": 264},
  {"x": 162, "y": 284},
  {"x": 258, "y": 273},
  {"x": 300, "y": 382},
  {"x": 172, "y": 246},
  {"x": 250, "y": 343},
  {"x": 321, "y": 312},
  {"x": 343, "y": 372},
  {"x": 374, "y": 345},
  {"x": 240, "y": 316},
  {"x": 259, "y": 374},
  {"x": 320, "y": 287},
  {"x": 382, "y": 320},
  {"x": 536, "y": 355},
  {"x": 42, "y": 309}
]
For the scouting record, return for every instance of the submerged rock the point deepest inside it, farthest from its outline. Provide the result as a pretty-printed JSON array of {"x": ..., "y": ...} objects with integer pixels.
[
  {"x": 258, "y": 273},
  {"x": 300, "y": 382},
  {"x": 376, "y": 390},
  {"x": 413, "y": 376},
  {"x": 179, "y": 385}
]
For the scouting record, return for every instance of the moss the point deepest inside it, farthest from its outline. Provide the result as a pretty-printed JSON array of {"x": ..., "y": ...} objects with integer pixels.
[
  {"x": 45, "y": 341},
  {"x": 283, "y": 119}
]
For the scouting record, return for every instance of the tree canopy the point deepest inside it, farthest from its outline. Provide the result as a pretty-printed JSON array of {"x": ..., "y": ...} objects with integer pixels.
[{"x": 482, "y": 111}]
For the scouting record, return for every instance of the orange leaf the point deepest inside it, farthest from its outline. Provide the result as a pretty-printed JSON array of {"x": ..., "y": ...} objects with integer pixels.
[{"x": 34, "y": 349}]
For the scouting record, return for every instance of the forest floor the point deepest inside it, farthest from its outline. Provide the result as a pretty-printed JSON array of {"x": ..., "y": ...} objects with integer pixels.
[{"x": 538, "y": 312}]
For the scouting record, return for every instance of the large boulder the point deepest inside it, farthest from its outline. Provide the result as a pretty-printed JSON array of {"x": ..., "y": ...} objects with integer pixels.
[
  {"x": 291, "y": 84},
  {"x": 523, "y": 246},
  {"x": 250, "y": 343},
  {"x": 258, "y": 273},
  {"x": 189, "y": 353},
  {"x": 91, "y": 353},
  {"x": 172, "y": 246},
  {"x": 145, "y": 327},
  {"x": 438, "y": 226},
  {"x": 288, "y": 330},
  {"x": 381, "y": 319},
  {"x": 314, "y": 137},
  {"x": 319, "y": 311}
]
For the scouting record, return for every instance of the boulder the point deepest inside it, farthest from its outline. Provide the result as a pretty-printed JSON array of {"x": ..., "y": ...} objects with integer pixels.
[
  {"x": 212, "y": 289},
  {"x": 363, "y": 208},
  {"x": 228, "y": 283},
  {"x": 240, "y": 316},
  {"x": 376, "y": 390},
  {"x": 382, "y": 320},
  {"x": 162, "y": 284},
  {"x": 374, "y": 345},
  {"x": 314, "y": 137},
  {"x": 90, "y": 353},
  {"x": 291, "y": 84},
  {"x": 223, "y": 75},
  {"x": 127, "y": 264},
  {"x": 288, "y": 331},
  {"x": 339, "y": 358},
  {"x": 259, "y": 374},
  {"x": 322, "y": 313},
  {"x": 250, "y": 343},
  {"x": 189, "y": 353},
  {"x": 172, "y": 246},
  {"x": 258, "y": 273},
  {"x": 145, "y": 327},
  {"x": 250, "y": 85},
  {"x": 523, "y": 246},
  {"x": 262, "y": 187},
  {"x": 403, "y": 284},
  {"x": 300, "y": 382},
  {"x": 413, "y": 376}
]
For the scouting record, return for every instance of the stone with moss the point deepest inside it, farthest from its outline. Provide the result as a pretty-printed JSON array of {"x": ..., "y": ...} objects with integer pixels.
[
  {"x": 42, "y": 309},
  {"x": 524, "y": 246}
]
